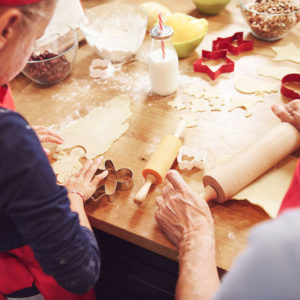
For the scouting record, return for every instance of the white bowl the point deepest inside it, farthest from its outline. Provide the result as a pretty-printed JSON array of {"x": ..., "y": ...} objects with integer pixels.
[{"x": 115, "y": 31}]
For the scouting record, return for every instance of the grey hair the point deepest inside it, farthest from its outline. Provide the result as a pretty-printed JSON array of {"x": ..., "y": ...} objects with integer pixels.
[{"x": 34, "y": 12}]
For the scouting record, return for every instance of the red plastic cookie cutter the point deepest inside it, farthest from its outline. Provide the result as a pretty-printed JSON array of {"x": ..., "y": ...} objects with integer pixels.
[
  {"x": 286, "y": 91},
  {"x": 226, "y": 43},
  {"x": 208, "y": 55}
]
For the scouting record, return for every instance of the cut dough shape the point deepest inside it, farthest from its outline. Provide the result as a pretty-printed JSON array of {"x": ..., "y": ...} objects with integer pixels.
[
  {"x": 247, "y": 103},
  {"x": 252, "y": 86},
  {"x": 277, "y": 73},
  {"x": 289, "y": 52},
  {"x": 268, "y": 190},
  {"x": 99, "y": 128},
  {"x": 216, "y": 104},
  {"x": 66, "y": 165}
]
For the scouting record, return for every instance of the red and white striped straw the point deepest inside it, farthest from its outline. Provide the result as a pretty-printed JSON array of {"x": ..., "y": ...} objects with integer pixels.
[{"x": 161, "y": 42}]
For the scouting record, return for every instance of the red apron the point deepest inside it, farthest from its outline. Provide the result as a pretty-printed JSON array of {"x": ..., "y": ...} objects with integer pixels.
[
  {"x": 292, "y": 197},
  {"x": 18, "y": 267}
]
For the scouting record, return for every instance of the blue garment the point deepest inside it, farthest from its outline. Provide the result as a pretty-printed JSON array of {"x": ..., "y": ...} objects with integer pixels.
[
  {"x": 34, "y": 210},
  {"x": 269, "y": 267}
]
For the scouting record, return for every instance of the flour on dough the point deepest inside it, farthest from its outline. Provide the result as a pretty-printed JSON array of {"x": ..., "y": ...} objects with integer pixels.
[
  {"x": 245, "y": 102},
  {"x": 288, "y": 52},
  {"x": 276, "y": 72},
  {"x": 195, "y": 92},
  {"x": 67, "y": 164},
  {"x": 251, "y": 86},
  {"x": 99, "y": 128},
  {"x": 268, "y": 190}
]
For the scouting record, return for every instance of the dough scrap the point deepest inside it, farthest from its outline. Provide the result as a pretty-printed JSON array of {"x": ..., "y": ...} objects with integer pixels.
[
  {"x": 67, "y": 164},
  {"x": 275, "y": 72},
  {"x": 178, "y": 103},
  {"x": 289, "y": 52},
  {"x": 247, "y": 103},
  {"x": 268, "y": 190},
  {"x": 99, "y": 128},
  {"x": 191, "y": 120},
  {"x": 252, "y": 86},
  {"x": 196, "y": 106}
]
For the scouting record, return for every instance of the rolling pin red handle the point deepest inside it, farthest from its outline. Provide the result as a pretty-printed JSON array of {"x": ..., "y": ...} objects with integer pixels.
[{"x": 144, "y": 190}]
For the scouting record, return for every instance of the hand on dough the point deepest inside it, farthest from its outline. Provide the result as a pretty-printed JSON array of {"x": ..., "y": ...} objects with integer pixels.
[
  {"x": 289, "y": 113},
  {"x": 46, "y": 135},
  {"x": 85, "y": 182},
  {"x": 182, "y": 212}
]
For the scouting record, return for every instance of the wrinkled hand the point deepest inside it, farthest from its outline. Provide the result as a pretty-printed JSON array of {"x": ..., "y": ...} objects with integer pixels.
[
  {"x": 289, "y": 113},
  {"x": 181, "y": 211},
  {"x": 85, "y": 182}
]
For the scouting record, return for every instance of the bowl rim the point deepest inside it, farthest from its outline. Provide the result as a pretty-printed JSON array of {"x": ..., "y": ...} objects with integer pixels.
[
  {"x": 266, "y": 13},
  {"x": 75, "y": 44},
  {"x": 138, "y": 8}
]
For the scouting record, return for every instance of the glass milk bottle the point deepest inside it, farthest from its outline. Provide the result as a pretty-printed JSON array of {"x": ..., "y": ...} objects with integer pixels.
[{"x": 163, "y": 62}]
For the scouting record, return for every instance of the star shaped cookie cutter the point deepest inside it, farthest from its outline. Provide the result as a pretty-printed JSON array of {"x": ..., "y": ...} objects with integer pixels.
[
  {"x": 116, "y": 180},
  {"x": 227, "y": 44},
  {"x": 213, "y": 55},
  {"x": 289, "y": 92}
]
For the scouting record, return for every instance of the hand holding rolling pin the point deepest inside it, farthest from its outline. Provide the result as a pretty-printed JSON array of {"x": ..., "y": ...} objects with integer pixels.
[
  {"x": 289, "y": 112},
  {"x": 160, "y": 162}
]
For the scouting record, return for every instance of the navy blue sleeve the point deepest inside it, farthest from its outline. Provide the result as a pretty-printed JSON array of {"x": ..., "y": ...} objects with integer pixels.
[
  {"x": 270, "y": 265},
  {"x": 40, "y": 208}
]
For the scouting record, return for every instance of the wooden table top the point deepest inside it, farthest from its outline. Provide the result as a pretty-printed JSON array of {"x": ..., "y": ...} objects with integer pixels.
[{"x": 218, "y": 133}]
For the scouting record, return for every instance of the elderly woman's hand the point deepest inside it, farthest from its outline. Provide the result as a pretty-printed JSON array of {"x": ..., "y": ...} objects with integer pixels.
[
  {"x": 289, "y": 113},
  {"x": 181, "y": 212}
]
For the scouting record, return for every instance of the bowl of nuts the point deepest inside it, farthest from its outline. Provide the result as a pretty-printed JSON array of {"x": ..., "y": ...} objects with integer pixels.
[
  {"x": 270, "y": 20},
  {"x": 53, "y": 56}
]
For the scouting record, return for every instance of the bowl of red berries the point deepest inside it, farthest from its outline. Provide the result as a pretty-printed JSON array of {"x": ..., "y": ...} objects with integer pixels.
[{"x": 53, "y": 56}]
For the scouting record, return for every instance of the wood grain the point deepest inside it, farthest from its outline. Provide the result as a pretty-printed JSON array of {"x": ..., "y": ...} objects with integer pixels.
[{"x": 219, "y": 133}]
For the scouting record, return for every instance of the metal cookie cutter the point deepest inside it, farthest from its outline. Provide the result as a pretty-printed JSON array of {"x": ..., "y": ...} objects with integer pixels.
[{"x": 120, "y": 180}]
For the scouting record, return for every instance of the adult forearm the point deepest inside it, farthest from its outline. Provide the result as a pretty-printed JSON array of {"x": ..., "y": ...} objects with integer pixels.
[{"x": 198, "y": 276}]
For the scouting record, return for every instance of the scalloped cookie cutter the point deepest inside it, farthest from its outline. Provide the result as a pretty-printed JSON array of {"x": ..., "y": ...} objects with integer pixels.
[
  {"x": 116, "y": 180},
  {"x": 189, "y": 158}
]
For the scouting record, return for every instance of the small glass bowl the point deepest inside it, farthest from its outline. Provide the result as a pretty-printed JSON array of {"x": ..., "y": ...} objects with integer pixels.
[
  {"x": 115, "y": 31},
  {"x": 53, "y": 57},
  {"x": 270, "y": 21}
]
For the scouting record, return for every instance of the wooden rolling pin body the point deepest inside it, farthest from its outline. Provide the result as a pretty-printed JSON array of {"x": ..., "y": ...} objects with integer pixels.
[
  {"x": 226, "y": 180},
  {"x": 160, "y": 162}
]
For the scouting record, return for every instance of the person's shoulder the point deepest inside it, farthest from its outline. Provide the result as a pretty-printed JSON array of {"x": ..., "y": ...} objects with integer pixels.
[
  {"x": 283, "y": 231},
  {"x": 10, "y": 120}
]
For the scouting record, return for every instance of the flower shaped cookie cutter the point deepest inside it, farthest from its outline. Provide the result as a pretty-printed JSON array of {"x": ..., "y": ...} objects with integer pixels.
[
  {"x": 214, "y": 55},
  {"x": 116, "y": 180},
  {"x": 295, "y": 77},
  {"x": 189, "y": 158},
  {"x": 227, "y": 44}
]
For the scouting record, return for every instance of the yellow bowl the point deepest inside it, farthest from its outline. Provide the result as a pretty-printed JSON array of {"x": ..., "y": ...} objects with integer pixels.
[
  {"x": 188, "y": 32},
  {"x": 186, "y": 48},
  {"x": 211, "y": 7}
]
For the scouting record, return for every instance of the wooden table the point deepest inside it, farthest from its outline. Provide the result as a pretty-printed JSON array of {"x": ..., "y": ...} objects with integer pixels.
[{"x": 219, "y": 133}]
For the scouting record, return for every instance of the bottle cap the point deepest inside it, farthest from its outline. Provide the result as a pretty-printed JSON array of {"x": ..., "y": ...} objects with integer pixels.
[{"x": 158, "y": 34}]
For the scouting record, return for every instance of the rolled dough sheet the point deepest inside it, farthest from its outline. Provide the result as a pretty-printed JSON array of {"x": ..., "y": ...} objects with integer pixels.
[
  {"x": 99, "y": 128},
  {"x": 268, "y": 190},
  {"x": 276, "y": 72},
  {"x": 252, "y": 86}
]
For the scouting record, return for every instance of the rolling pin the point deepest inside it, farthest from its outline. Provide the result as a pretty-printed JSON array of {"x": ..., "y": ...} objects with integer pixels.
[
  {"x": 160, "y": 162},
  {"x": 226, "y": 180}
]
